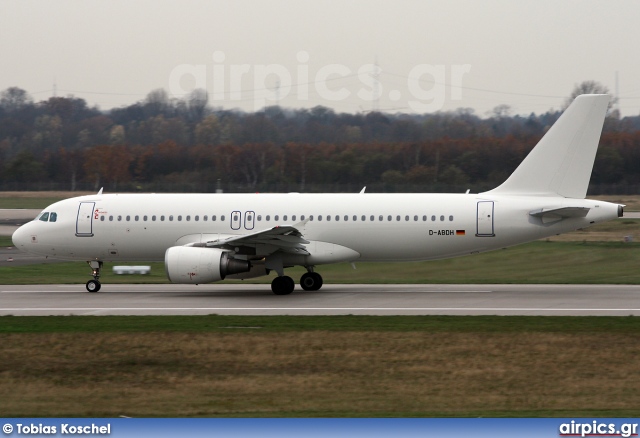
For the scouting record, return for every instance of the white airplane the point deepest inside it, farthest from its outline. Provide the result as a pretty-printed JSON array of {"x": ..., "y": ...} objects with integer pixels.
[{"x": 204, "y": 238}]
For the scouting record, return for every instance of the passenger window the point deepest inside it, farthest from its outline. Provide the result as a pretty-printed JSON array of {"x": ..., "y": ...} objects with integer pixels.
[
  {"x": 398, "y": 218},
  {"x": 284, "y": 218},
  {"x": 144, "y": 218},
  {"x": 44, "y": 217},
  {"x": 137, "y": 218},
  {"x": 371, "y": 218},
  {"x": 389, "y": 218},
  {"x": 302, "y": 217},
  {"x": 53, "y": 217},
  {"x": 110, "y": 218},
  {"x": 415, "y": 218},
  {"x": 424, "y": 218},
  {"x": 293, "y": 218},
  {"x": 276, "y": 217},
  {"x": 268, "y": 217},
  {"x": 179, "y": 217},
  {"x": 380, "y": 218},
  {"x": 102, "y": 218},
  {"x": 259, "y": 218},
  {"x": 433, "y": 218},
  {"x": 205, "y": 218},
  {"x": 222, "y": 217},
  {"x": 119, "y": 218},
  {"x": 162, "y": 218},
  {"x": 213, "y": 218},
  {"x": 188, "y": 218},
  {"x": 441, "y": 218},
  {"x": 311, "y": 218},
  {"x": 153, "y": 218},
  {"x": 128, "y": 218},
  {"x": 450, "y": 218},
  {"x": 319, "y": 217},
  {"x": 197, "y": 218},
  {"x": 328, "y": 217},
  {"x": 171, "y": 218}
]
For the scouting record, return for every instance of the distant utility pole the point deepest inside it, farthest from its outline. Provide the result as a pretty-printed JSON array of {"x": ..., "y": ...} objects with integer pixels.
[
  {"x": 375, "y": 90},
  {"x": 617, "y": 94}
]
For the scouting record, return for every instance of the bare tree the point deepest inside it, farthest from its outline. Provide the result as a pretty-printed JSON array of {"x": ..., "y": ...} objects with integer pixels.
[
  {"x": 14, "y": 98},
  {"x": 588, "y": 87}
]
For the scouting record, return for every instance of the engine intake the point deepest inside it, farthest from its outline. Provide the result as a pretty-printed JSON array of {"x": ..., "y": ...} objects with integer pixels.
[{"x": 191, "y": 265}]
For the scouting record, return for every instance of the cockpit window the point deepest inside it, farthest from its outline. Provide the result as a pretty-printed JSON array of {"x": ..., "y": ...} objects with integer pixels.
[
  {"x": 53, "y": 217},
  {"x": 44, "y": 217}
]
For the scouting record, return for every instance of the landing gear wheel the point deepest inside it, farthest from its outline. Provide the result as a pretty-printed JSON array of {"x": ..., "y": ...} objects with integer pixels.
[
  {"x": 96, "y": 266},
  {"x": 282, "y": 285},
  {"x": 93, "y": 286},
  {"x": 311, "y": 281}
]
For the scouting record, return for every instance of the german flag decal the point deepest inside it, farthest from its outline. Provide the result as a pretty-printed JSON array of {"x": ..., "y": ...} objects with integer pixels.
[{"x": 460, "y": 232}]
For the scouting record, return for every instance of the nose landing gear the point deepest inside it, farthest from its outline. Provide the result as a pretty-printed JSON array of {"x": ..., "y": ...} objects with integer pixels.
[{"x": 94, "y": 285}]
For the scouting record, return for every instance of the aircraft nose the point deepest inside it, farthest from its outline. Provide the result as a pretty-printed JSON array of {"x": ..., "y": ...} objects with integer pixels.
[{"x": 21, "y": 237}]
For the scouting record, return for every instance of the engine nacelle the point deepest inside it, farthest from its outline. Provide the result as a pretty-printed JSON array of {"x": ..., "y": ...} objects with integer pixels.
[{"x": 192, "y": 265}]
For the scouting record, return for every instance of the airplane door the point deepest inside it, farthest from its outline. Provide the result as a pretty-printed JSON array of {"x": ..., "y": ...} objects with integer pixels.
[
  {"x": 249, "y": 220},
  {"x": 484, "y": 226},
  {"x": 84, "y": 221},
  {"x": 236, "y": 219}
]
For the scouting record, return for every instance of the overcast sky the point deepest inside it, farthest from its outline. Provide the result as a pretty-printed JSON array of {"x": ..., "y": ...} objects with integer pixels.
[{"x": 431, "y": 55}]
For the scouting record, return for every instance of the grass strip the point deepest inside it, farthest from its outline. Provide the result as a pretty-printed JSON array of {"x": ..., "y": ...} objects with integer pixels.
[
  {"x": 361, "y": 323},
  {"x": 355, "y": 366},
  {"x": 537, "y": 262}
]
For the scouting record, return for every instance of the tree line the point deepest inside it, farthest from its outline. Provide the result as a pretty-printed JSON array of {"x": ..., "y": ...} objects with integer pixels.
[{"x": 163, "y": 144}]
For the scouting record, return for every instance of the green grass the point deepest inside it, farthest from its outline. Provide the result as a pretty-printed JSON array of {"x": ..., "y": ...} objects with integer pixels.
[
  {"x": 28, "y": 202},
  {"x": 358, "y": 323},
  {"x": 537, "y": 262}
]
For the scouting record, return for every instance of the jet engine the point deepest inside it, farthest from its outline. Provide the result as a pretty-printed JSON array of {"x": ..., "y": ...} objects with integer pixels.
[{"x": 190, "y": 265}]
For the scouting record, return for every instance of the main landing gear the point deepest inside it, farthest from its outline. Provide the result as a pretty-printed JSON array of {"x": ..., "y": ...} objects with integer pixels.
[
  {"x": 284, "y": 285},
  {"x": 94, "y": 285}
]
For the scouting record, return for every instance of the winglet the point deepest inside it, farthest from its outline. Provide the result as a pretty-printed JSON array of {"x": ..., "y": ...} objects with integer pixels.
[
  {"x": 100, "y": 191},
  {"x": 562, "y": 161}
]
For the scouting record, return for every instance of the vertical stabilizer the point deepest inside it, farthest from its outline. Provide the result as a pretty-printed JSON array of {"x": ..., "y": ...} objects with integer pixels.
[{"x": 562, "y": 161}]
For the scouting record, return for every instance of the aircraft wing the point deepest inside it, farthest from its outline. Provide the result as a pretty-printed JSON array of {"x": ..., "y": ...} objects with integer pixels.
[{"x": 286, "y": 238}]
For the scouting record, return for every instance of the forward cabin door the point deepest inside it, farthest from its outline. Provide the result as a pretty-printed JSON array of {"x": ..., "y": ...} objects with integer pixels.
[
  {"x": 484, "y": 225},
  {"x": 84, "y": 222}
]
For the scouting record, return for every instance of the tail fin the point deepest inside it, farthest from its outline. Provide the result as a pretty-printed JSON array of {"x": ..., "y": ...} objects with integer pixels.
[{"x": 562, "y": 161}]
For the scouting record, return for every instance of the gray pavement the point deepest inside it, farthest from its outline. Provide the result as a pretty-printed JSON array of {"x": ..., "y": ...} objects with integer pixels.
[{"x": 333, "y": 299}]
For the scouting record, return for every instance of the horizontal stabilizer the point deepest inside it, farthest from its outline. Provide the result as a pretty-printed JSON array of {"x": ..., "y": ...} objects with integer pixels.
[{"x": 554, "y": 214}]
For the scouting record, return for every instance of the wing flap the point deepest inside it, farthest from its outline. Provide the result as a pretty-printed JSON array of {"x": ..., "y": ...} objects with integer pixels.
[{"x": 285, "y": 238}]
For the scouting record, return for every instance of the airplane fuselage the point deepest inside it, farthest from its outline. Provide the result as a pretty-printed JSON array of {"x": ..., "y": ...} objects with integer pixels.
[{"x": 375, "y": 227}]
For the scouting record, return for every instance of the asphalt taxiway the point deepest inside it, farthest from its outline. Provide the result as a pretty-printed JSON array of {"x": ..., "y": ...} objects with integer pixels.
[{"x": 333, "y": 299}]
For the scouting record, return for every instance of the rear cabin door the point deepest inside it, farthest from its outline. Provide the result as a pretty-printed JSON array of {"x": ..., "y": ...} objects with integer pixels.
[
  {"x": 484, "y": 226},
  {"x": 84, "y": 222}
]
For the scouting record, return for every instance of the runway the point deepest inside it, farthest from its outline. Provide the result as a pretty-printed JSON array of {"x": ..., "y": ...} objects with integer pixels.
[{"x": 333, "y": 299}]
